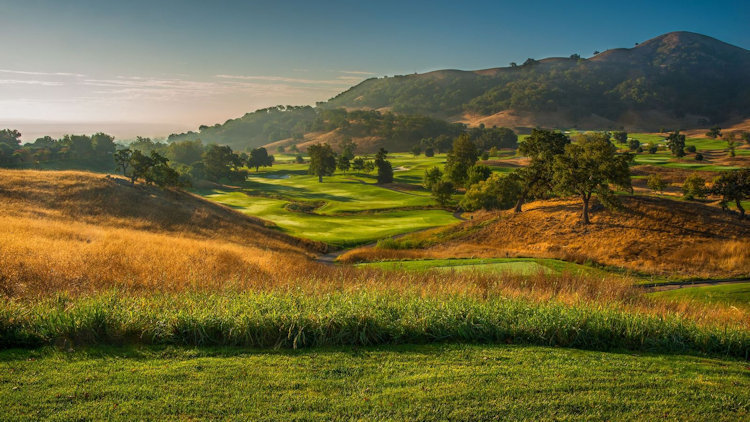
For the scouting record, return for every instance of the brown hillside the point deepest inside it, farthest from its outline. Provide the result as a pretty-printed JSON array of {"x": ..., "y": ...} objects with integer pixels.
[
  {"x": 77, "y": 231},
  {"x": 650, "y": 234}
]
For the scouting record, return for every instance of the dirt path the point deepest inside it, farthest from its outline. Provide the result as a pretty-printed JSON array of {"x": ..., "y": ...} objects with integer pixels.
[{"x": 661, "y": 287}]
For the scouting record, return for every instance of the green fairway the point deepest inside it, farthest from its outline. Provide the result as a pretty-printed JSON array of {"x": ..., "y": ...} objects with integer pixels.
[
  {"x": 523, "y": 266},
  {"x": 448, "y": 382},
  {"x": 726, "y": 294},
  {"x": 346, "y": 209}
]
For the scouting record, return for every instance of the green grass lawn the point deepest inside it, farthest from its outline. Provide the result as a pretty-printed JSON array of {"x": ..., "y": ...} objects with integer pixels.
[
  {"x": 726, "y": 294},
  {"x": 344, "y": 212},
  {"x": 524, "y": 266},
  {"x": 433, "y": 382}
]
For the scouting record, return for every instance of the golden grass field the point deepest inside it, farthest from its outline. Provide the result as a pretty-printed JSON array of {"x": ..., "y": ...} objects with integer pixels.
[
  {"x": 650, "y": 234},
  {"x": 77, "y": 233}
]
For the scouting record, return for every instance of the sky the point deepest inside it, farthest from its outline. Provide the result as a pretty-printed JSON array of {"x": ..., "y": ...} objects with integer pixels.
[{"x": 156, "y": 67}]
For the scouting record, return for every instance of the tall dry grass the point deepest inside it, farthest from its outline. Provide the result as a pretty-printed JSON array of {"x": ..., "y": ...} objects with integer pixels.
[{"x": 651, "y": 235}]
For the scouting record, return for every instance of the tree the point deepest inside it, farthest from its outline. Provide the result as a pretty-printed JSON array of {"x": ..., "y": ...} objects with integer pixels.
[
  {"x": 443, "y": 191},
  {"x": 478, "y": 173},
  {"x": 497, "y": 192},
  {"x": 541, "y": 147},
  {"x": 431, "y": 176},
  {"x": 733, "y": 186},
  {"x": 460, "y": 159},
  {"x": 140, "y": 165},
  {"x": 416, "y": 150},
  {"x": 10, "y": 140},
  {"x": 588, "y": 168},
  {"x": 220, "y": 162},
  {"x": 622, "y": 137},
  {"x": 322, "y": 160},
  {"x": 348, "y": 147},
  {"x": 185, "y": 152},
  {"x": 694, "y": 187},
  {"x": 103, "y": 145},
  {"x": 634, "y": 144},
  {"x": 429, "y": 152},
  {"x": 259, "y": 158},
  {"x": 122, "y": 161},
  {"x": 676, "y": 143},
  {"x": 385, "y": 170},
  {"x": 714, "y": 132},
  {"x": 358, "y": 164},
  {"x": 343, "y": 163},
  {"x": 656, "y": 183},
  {"x": 729, "y": 137}
]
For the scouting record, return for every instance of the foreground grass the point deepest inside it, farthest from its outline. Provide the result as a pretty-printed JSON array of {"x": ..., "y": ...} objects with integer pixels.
[
  {"x": 726, "y": 294},
  {"x": 436, "y": 382},
  {"x": 360, "y": 317}
]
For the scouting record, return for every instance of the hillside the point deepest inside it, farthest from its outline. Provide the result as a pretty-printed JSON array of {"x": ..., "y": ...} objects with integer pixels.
[
  {"x": 659, "y": 236},
  {"x": 678, "y": 80},
  {"x": 74, "y": 231},
  {"x": 286, "y": 126}
]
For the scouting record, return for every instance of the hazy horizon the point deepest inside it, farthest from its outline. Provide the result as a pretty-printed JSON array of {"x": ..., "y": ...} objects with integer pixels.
[{"x": 153, "y": 69}]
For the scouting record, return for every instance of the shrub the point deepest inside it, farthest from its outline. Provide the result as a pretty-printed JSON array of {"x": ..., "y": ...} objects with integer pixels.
[
  {"x": 694, "y": 187},
  {"x": 656, "y": 183},
  {"x": 497, "y": 192}
]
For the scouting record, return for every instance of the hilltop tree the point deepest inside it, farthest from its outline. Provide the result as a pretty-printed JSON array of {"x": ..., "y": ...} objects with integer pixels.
[
  {"x": 103, "y": 145},
  {"x": 185, "y": 152},
  {"x": 541, "y": 147},
  {"x": 676, "y": 143},
  {"x": 589, "y": 167},
  {"x": 10, "y": 140},
  {"x": 122, "y": 161},
  {"x": 322, "y": 160},
  {"x": 460, "y": 159},
  {"x": 733, "y": 186}
]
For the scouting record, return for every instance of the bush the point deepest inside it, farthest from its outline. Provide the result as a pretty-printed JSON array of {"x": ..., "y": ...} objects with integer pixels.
[
  {"x": 497, "y": 192},
  {"x": 694, "y": 187},
  {"x": 656, "y": 183}
]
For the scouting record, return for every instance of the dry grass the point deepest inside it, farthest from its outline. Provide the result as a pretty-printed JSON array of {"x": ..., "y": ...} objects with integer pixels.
[
  {"x": 650, "y": 235},
  {"x": 80, "y": 234},
  {"x": 78, "y": 231}
]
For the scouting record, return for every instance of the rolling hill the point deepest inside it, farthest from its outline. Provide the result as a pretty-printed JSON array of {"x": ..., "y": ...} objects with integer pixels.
[
  {"x": 677, "y": 80},
  {"x": 76, "y": 231},
  {"x": 652, "y": 235}
]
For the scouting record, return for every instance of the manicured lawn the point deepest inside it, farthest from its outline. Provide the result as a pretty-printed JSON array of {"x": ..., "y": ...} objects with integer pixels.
[
  {"x": 524, "y": 266},
  {"x": 361, "y": 222},
  {"x": 725, "y": 294},
  {"x": 433, "y": 382}
]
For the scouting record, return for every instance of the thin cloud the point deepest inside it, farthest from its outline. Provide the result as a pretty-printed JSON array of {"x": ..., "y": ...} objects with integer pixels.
[
  {"x": 27, "y": 72},
  {"x": 28, "y": 82},
  {"x": 283, "y": 79},
  {"x": 355, "y": 72}
]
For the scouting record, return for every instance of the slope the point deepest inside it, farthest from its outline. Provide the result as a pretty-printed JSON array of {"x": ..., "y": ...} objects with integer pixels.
[
  {"x": 76, "y": 231},
  {"x": 659, "y": 236}
]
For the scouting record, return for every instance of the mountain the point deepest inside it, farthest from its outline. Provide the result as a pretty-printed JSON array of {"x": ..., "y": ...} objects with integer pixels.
[{"x": 680, "y": 79}]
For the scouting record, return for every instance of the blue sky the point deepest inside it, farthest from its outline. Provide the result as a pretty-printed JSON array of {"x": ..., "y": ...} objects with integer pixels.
[{"x": 171, "y": 65}]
